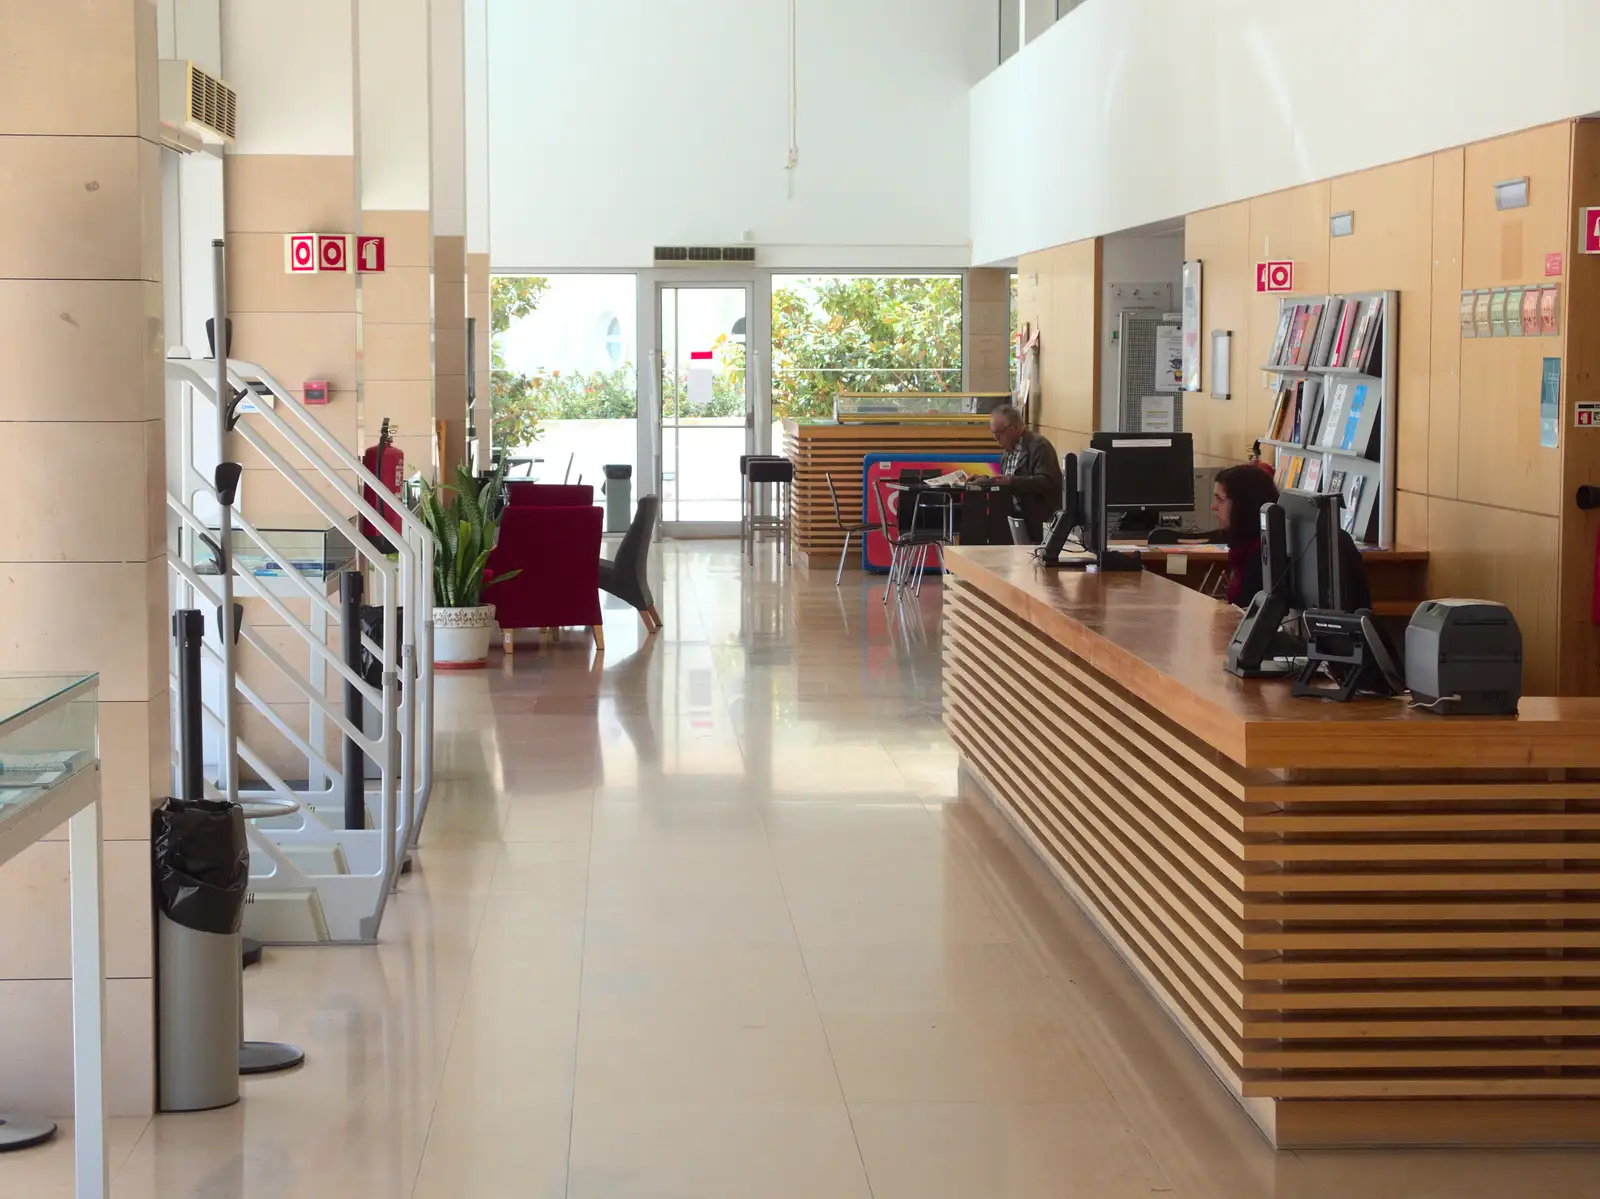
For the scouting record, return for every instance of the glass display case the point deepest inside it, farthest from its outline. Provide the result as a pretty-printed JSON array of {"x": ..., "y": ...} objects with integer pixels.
[
  {"x": 917, "y": 407},
  {"x": 315, "y": 553},
  {"x": 49, "y": 731}
]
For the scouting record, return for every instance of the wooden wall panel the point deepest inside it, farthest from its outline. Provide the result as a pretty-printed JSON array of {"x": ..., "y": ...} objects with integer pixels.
[
  {"x": 1058, "y": 291},
  {"x": 1501, "y": 461},
  {"x": 1579, "y": 637},
  {"x": 1220, "y": 239},
  {"x": 1508, "y": 556},
  {"x": 1392, "y": 248},
  {"x": 1289, "y": 224},
  {"x": 1442, "y": 435}
]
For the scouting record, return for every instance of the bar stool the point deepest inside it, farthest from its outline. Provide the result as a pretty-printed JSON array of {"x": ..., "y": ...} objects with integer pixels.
[
  {"x": 778, "y": 474},
  {"x": 745, "y": 508}
]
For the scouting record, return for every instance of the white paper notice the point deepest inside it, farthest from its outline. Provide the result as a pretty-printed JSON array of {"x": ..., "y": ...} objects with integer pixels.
[
  {"x": 700, "y": 385},
  {"x": 1157, "y": 414},
  {"x": 1169, "y": 357}
]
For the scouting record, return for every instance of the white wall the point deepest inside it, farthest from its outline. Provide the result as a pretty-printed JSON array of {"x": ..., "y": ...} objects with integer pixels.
[
  {"x": 449, "y": 119},
  {"x": 290, "y": 63},
  {"x": 1132, "y": 111},
  {"x": 617, "y": 125},
  {"x": 476, "y": 39},
  {"x": 395, "y": 117}
]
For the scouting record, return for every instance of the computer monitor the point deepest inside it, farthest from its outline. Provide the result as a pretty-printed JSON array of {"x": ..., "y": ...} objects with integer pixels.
[
  {"x": 1092, "y": 506},
  {"x": 1147, "y": 474},
  {"x": 1301, "y": 567},
  {"x": 1315, "y": 563}
]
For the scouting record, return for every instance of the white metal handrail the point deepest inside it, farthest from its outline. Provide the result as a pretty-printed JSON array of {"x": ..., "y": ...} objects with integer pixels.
[
  {"x": 399, "y": 634},
  {"x": 416, "y": 537}
]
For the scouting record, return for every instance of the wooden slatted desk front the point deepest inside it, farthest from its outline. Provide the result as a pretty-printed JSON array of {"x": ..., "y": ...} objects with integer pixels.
[{"x": 1378, "y": 926}]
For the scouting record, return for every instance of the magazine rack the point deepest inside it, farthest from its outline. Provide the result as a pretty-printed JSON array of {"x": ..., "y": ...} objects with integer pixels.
[{"x": 1334, "y": 359}]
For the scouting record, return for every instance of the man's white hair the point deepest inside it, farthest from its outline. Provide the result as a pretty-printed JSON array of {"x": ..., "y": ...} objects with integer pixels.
[{"x": 1008, "y": 414}]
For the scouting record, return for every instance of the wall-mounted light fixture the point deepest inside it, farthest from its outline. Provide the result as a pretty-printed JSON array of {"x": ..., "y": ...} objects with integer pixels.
[
  {"x": 1342, "y": 224},
  {"x": 1511, "y": 193},
  {"x": 1221, "y": 351}
]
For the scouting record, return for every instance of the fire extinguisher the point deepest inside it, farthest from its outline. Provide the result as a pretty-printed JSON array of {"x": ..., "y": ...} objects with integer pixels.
[{"x": 388, "y": 463}]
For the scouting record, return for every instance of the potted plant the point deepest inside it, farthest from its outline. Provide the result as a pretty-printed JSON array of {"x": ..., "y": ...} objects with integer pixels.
[{"x": 464, "y": 532}]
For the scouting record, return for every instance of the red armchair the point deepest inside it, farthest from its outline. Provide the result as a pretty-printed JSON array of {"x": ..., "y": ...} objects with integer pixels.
[
  {"x": 551, "y": 495},
  {"x": 558, "y": 552}
]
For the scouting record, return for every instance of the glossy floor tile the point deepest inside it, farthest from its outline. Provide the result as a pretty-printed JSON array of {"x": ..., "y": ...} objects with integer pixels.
[{"x": 704, "y": 918}]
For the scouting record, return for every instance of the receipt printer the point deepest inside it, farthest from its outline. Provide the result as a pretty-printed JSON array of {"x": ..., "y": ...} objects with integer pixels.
[{"x": 1464, "y": 658}]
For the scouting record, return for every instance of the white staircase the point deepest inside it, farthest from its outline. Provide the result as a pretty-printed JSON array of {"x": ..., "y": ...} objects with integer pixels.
[{"x": 312, "y": 879}]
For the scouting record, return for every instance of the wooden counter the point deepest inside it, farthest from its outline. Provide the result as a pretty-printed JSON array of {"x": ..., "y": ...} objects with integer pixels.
[
  {"x": 1379, "y": 926},
  {"x": 819, "y": 450}
]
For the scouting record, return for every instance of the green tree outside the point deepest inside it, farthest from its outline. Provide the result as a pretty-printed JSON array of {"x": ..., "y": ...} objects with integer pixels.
[{"x": 860, "y": 333}]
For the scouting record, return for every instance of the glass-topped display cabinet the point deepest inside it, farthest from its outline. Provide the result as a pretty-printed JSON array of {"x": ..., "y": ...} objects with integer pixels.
[
  {"x": 49, "y": 731},
  {"x": 916, "y": 407},
  {"x": 315, "y": 553}
]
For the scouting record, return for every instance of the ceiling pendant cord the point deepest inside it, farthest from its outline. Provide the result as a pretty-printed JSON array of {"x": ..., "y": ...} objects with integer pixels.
[{"x": 793, "y": 159}]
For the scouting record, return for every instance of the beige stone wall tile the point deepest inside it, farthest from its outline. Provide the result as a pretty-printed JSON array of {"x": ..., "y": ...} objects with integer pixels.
[
  {"x": 290, "y": 193},
  {"x": 105, "y": 329},
  {"x": 81, "y": 200},
  {"x": 295, "y": 346},
  {"x": 408, "y": 240},
  {"x": 63, "y": 616},
  {"x": 35, "y": 882},
  {"x": 36, "y": 1047},
  {"x": 391, "y": 352},
  {"x": 450, "y": 348},
  {"x": 70, "y": 69},
  {"x": 397, "y": 295},
  {"x": 257, "y": 281},
  {"x": 408, "y": 403},
  {"x": 123, "y": 460}
]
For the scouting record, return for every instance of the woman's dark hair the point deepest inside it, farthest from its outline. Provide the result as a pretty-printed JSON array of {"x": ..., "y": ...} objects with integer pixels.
[{"x": 1248, "y": 487}]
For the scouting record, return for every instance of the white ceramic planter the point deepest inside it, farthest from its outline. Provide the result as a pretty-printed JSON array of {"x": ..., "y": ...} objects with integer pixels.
[{"x": 461, "y": 637}]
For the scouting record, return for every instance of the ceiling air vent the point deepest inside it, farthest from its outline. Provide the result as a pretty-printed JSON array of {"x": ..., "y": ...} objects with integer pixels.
[
  {"x": 195, "y": 105},
  {"x": 703, "y": 255}
]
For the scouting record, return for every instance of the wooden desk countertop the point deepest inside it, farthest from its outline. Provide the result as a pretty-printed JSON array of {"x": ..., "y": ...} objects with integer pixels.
[{"x": 1165, "y": 643}]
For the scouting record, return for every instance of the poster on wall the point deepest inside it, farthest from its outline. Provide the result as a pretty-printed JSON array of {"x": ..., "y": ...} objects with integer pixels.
[
  {"x": 1191, "y": 325},
  {"x": 1026, "y": 351},
  {"x": 1158, "y": 414},
  {"x": 1169, "y": 357},
  {"x": 1550, "y": 404}
]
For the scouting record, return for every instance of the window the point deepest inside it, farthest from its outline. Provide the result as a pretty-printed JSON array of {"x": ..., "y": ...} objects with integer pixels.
[
  {"x": 614, "y": 341},
  {"x": 861, "y": 333}
]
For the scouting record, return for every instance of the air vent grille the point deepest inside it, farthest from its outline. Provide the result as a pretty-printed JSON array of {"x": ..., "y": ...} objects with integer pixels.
[
  {"x": 212, "y": 103},
  {"x": 703, "y": 255}
]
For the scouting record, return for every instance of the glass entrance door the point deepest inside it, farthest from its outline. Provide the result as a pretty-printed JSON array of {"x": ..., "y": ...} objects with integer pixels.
[{"x": 707, "y": 406}]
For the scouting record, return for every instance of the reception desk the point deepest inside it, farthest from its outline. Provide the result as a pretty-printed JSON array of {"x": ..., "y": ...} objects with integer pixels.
[
  {"x": 820, "y": 450},
  {"x": 1377, "y": 925}
]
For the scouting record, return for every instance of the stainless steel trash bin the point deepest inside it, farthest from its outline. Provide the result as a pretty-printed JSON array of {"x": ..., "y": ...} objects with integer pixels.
[
  {"x": 618, "y": 490},
  {"x": 197, "y": 1026}
]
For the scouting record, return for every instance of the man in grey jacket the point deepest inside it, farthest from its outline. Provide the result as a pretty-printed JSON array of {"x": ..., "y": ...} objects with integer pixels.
[{"x": 1030, "y": 467}]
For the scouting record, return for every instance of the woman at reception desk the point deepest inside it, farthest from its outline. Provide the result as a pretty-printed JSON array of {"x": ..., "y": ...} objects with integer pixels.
[
  {"x": 1377, "y": 925},
  {"x": 944, "y": 425}
]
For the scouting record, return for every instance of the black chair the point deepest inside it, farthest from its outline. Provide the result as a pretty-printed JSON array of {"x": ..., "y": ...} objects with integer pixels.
[
  {"x": 627, "y": 576},
  {"x": 848, "y": 528}
]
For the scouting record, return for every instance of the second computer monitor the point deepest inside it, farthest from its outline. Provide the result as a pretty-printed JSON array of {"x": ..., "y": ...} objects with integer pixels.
[{"x": 1149, "y": 472}]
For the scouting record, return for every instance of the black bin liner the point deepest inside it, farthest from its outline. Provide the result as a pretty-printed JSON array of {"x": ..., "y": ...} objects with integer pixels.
[
  {"x": 202, "y": 864},
  {"x": 372, "y": 626}
]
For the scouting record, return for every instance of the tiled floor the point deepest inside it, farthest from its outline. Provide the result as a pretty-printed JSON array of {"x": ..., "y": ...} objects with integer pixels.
[{"x": 705, "y": 920}]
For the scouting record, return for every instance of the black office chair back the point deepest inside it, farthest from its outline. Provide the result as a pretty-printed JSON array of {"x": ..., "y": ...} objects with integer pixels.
[
  {"x": 633, "y": 555},
  {"x": 1162, "y": 536}
]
